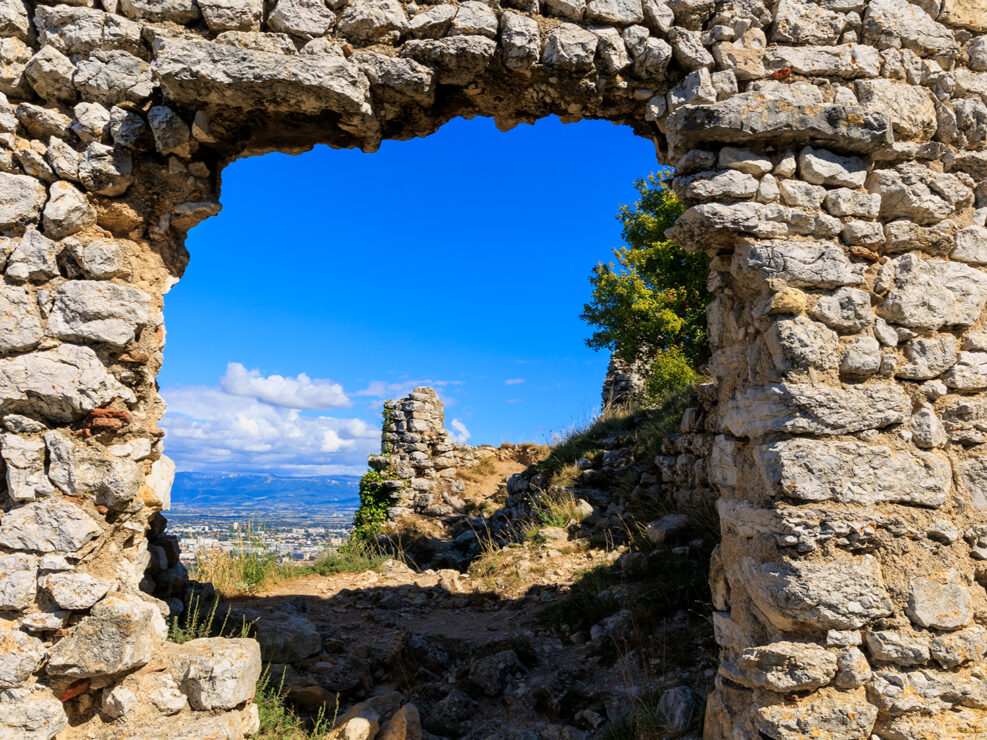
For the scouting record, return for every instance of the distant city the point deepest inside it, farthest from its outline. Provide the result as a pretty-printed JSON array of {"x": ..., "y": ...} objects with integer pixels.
[{"x": 293, "y": 519}]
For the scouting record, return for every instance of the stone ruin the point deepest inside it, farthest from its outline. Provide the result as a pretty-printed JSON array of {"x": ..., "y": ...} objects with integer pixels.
[
  {"x": 419, "y": 456},
  {"x": 831, "y": 156}
]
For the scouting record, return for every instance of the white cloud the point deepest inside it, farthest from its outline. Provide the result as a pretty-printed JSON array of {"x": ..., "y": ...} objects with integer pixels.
[
  {"x": 212, "y": 430},
  {"x": 300, "y": 392},
  {"x": 383, "y": 389},
  {"x": 459, "y": 431},
  {"x": 513, "y": 381}
]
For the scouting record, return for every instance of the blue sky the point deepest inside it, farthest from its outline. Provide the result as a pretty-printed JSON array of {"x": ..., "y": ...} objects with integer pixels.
[{"x": 335, "y": 279}]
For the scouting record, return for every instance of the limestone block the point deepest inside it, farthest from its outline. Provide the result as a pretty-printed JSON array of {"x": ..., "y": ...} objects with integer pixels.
[
  {"x": 900, "y": 648},
  {"x": 617, "y": 12},
  {"x": 971, "y": 474},
  {"x": 106, "y": 170},
  {"x": 570, "y": 47},
  {"x": 724, "y": 185},
  {"x": 958, "y": 723},
  {"x": 31, "y": 715},
  {"x": 367, "y": 20},
  {"x": 928, "y": 294},
  {"x": 67, "y": 211},
  {"x": 801, "y": 194},
  {"x": 611, "y": 52},
  {"x": 744, "y": 160},
  {"x": 695, "y": 89},
  {"x": 98, "y": 311},
  {"x": 118, "y": 635},
  {"x": 744, "y": 57},
  {"x": 25, "y": 462},
  {"x": 14, "y": 55},
  {"x": 911, "y": 108},
  {"x": 845, "y": 202},
  {"x": 835, "y": 594},
  {"x": 965, "y": 14},
  {"x": 232, "y": 15},
  {"x": 767, "y": 119},
  {"x": 404, "y": 76},
  {"x": 81, "y": 471},
  {"x": 117, "y": 701},
  {"x": 783, "y": 667},
  {"x": 955, "y": 648},
  {"x": 217, "y": 673},
  {"x": 805, "y": 263},
  {"x": 91, "y": 122},
  {"x": 166, "y": 697},
  {"x": 50, "y": 526},
  {"x": 928, "y": 357},
  {"x": 971, "y": 245},
  {"x": 21, "y": 200},
  {"x": 837, "y": 715},
  {"x": 846, "y": 61},
  {"x": 157, "y": 486},
  {"x": 969, "y": 373},
  {"x": 405, "y": 724},
  {"x": 474, "y": 18},
  {"x": 201, "y": 72},
  {"x": 915, "y": 192},
  {"x": 75, "y": 591},
  {"x": 688, "y": 49},
  {"x": 901, "y": 24},
  {"x": 847, "y": 310},
  {"x": 806, "y": 23},
  {"x": 822, "y": 167},
  {"x": 75, "y": 30},
  {"x": 433, "y": 22},
  {"x": 100, "y": 259},
  {"x": 115, "y": 76},
  {"x": 18, "y": 581},
  {"x": 176, "y": 11},
  {"x": 50, "y": 73},
  {"x": 853, "y": 670},
  {"x": 853, "y": 473},
  {"x": 939, "y": 601},
  {"x": 20, "y": 655},
  {"x": 287, "y": 639},
  {"x": 21, "y": 320},
  {"x": 813, "y": 409},
  {"x": 905, "y": 236}
]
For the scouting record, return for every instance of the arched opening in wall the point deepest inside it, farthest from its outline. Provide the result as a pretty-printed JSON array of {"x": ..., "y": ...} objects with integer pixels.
[{"x": 336, "y": 280}]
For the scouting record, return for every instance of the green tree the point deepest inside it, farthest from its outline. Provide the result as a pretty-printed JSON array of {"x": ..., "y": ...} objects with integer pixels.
[{"x": 650, "y": 306}]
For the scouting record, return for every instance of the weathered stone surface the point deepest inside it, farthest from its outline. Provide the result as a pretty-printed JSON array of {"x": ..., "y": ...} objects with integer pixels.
[
  {"x": 216, "y": 673},
  {"x": 61, "y": 384},
  {"x": 18, "y": 581},
  {"x": 117, "y": 701},
  {"x": 457, "y": 60},
  {"x": 98, "y": 311},
  {"x": 21, "y": 199},
  {"x": 969, "y": 373},
  {"x": 232, "y": 15},
  {"x": 848, "y": 310},
  {"x": 837, "y": 716},
  {"x": 201, "y": 72},
  {"x": 801, "y": 263},
  {"x": 519, "y": 38},
  {"x": 910, "y": 108},
  {"x": 112, "y": 77},
  {"x": 106, "y": 170},
  {"x": 822, "y": 167},
  {"x": 304, "y": 18},
  {"x": 898, "y": 23},
  {"x": 52, "y": 525},
  {"x": 809, "y": 409},
  {"x": 75, "y": 591},
  {"x": 118, "y": 635},
  {"x": 972, "y": 476},
  {"x": 21, "y": 320},
  {"x": 846, "y": 60},
  {"x": 764, "y": 119},
  {"x": 289, "y": 639},
  {"x": 67, "y": 211},
  {"x": 800, "y": 344},
  {"x": 570, "y": 47},
  {"x": 837, "y": 594},
  {"x": 939, "y": 601},
  {"x": 783, "y": 667},
  {"x": 369, "y": 20},
  {"x": 20, "y": 655},
  {"x": 928, "y": 358},
  {"x": 971, "y": 245},
  {"x": 29, "y": 715},
  {"x": 902, "y": 649},
  {"x": 33, "y": 258},
  {"x": 915, "y": 192},
  {"x": 955, "y": 648},
  {"x": 853, "y": 473},
  {"x": 928, "y": 294},
  {"x": 81, "y": 471},
  {"x": 25, "y": 461}
]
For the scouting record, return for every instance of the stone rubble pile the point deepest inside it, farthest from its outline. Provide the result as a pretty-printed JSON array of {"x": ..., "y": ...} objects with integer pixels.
[{"x": 832, "y": 158}]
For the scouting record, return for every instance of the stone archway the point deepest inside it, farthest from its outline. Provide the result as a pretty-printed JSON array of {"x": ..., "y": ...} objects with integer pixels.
[{"x": 832, "y": 155}]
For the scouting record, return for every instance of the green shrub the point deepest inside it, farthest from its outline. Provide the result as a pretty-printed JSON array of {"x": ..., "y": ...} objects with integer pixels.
[
  {"x": 650, "y": 307},
  {"x": 375, "y": 499},
  {"x": 353, "y": 556}
]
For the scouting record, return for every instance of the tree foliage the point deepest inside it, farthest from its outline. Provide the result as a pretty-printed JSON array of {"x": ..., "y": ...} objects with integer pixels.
[{"x": 650, "y": 306}]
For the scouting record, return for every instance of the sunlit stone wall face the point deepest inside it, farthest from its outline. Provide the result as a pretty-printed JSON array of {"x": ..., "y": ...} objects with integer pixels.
[{"x": 832, "y": 155}]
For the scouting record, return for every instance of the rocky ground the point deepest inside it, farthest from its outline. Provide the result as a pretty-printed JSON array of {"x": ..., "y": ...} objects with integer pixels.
[{"x": 596, "y": 629}]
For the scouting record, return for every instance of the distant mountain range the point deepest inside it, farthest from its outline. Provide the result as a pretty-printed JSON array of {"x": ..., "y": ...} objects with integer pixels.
[{"x": 251, "y": 492}]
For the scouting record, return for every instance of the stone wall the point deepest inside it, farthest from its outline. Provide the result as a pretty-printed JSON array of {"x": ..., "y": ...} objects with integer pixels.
[
  {"x": 418, "y": 451},
  {"x": 832, "y": 158}
]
